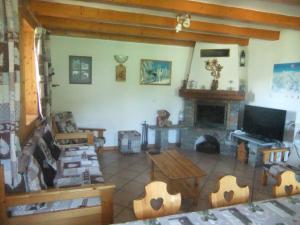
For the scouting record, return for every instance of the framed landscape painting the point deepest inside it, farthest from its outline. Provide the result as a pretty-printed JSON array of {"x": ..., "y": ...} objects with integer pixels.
[
  {"x": 286, "y": 78},
  {"x": 155, "y": 72},
  {"x": 80, "y": 70}
]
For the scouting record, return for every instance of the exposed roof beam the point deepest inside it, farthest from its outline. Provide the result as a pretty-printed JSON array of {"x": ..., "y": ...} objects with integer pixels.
[
  {"x": 76, "y": 25},
  {"x": 213, "y": 10},
  {"x": 100, "y": 15},
  {"x": 118, "y": 37}
]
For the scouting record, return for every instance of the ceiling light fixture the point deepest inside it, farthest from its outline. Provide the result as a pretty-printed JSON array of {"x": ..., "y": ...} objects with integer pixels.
[{"x": 183, "y": 21}]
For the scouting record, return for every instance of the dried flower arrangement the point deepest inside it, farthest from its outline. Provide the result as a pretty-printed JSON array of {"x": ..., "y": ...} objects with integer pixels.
[{"x": 215, "y": 68}]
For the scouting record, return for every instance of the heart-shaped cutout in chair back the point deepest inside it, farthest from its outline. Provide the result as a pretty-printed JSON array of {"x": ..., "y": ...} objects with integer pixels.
[
  {"x": 288, "y": 189},
  {"x": 228, "y": 196},
  {"x": 156, "y": 203}
]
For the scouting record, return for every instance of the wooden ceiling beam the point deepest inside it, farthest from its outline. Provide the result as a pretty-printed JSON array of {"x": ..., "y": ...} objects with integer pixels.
[
  {"x": 213, "y": 10},
  {"x": 26, "y": 13},
  {"x": 118, "y": 37},
  {"x": 76, "y": 25},
  {"x": 103, "y": 15}
]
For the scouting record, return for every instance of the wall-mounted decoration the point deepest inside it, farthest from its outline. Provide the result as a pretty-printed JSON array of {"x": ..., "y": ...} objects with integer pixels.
[
  {"x": 286, "y": 78},
  {"x": 183, "y": 21},
  {"x": 215, "y": 68},
  {"x": 242, "y": 58},
  {"x": 80, "y": 70},
  {"x": 120, "y": 69},
  {"x": 155, "y": 72},
  {"x": 214, "y": 52}
]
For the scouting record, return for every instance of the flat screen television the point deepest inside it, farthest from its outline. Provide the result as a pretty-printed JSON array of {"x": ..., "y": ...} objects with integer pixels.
[{"x": 266, "y": 123}]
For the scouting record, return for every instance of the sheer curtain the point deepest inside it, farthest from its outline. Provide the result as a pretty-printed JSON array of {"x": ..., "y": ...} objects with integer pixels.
[{"x": 44, "y": 72}]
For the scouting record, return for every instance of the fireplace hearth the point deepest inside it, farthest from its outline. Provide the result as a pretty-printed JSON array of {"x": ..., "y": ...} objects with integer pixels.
[{"x": 207, "y": 144}]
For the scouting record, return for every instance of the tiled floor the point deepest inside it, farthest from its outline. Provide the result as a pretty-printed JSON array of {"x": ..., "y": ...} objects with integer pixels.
[{"x": 131, "y": 173}]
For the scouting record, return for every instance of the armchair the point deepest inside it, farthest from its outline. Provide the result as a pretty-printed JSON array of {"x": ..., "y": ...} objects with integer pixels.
[{"x": 64, "y": 123}]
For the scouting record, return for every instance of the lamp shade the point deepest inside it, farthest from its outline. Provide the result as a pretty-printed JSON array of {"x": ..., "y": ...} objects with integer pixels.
[{"x": 121, "y": 58}]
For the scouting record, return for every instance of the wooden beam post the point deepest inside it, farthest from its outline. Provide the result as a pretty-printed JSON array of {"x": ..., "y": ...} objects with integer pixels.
[{"x": 3, "y": 213}]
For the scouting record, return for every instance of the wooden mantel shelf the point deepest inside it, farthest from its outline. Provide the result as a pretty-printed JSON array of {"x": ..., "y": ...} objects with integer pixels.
[{"x": 221, "y": 95}]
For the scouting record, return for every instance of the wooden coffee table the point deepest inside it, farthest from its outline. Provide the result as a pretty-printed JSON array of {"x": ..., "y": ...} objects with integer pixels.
[{"x": 180, "y": 173}]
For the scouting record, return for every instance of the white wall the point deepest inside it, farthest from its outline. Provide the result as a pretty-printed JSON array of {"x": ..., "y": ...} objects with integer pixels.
[
  {"x": 262, "y": 57},
  {"x": 110, "y": 104},
  {"x": 229, "y": 72}
]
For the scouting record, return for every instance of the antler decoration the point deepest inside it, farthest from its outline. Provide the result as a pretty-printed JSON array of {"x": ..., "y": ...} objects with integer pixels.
[{"x": 214, "y": 67}]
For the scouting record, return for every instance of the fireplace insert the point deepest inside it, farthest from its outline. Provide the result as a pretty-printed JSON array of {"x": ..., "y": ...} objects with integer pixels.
[{"x": 211, "y": 115}]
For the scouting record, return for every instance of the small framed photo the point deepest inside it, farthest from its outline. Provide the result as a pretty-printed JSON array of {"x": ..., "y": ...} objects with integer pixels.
[
  {"x": 80, "y": 70},
  {"x": 155, "y": 72}
]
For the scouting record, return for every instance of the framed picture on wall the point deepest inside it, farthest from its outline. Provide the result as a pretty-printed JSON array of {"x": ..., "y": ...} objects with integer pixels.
[
  {"x": 155, "y": 72},
  {"x": 80, "y": 70}
]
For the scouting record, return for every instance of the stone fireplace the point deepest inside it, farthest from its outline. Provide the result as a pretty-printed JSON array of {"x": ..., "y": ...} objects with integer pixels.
[{"x": 210, "y": 113}]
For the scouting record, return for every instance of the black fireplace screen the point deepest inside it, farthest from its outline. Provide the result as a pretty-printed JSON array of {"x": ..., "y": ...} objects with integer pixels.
[{"x": 210, "y": 115}]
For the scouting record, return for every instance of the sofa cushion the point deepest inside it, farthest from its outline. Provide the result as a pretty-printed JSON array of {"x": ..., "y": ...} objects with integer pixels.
[
  {"x": 77, "y": 166},
  {"x": 54, "y": 206},
  {"x": 78, "y": 150},
  {"x": 47, "y": 153},
  {"x": 48, "y": 171},
  {"x": 54, "y": 149},
  {"x": 65, "y": 122},
  {"x": 24, "y": 157},
  {"x": 34, "y": 176}
]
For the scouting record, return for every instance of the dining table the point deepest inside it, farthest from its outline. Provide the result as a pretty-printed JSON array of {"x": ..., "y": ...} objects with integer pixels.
[{"x": 278, "y": 211}]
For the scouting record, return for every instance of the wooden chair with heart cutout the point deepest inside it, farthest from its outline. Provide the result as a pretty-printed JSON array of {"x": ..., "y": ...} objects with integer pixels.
[
  {"x": 273, "y": 160},
  {"x": 157, "y": 202},
  {"x": 286, "y": 184},
  {"x": 229, "y": 193}
]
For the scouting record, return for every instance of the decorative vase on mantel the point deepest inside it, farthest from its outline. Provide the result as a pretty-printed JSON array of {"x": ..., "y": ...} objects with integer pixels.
[
  {"x": 214, "y": 85},
  {"x": 215, "y": 68}
]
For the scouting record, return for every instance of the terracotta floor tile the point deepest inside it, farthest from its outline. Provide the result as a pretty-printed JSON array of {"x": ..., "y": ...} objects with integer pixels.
[
  {"x": 125, "y": 216},
  {"x": 118, "y": 181},
  {"x": 128, "y": 174},
  {"x": 118, "y": 209},
  {"x": 134, "y": 187},
  {"x": 124, "y": 198}
]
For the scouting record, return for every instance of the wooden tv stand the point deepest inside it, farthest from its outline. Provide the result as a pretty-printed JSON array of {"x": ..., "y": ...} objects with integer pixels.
[{"x": 254, "y": 145}]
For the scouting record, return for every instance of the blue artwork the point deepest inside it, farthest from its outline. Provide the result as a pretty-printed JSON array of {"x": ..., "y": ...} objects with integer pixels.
[
  {"x": 286, "y": 78},
  {"x": 155, "y": 72}
]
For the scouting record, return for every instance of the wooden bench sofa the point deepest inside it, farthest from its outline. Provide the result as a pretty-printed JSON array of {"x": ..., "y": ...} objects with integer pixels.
[{"x": 101, "y": 213}]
